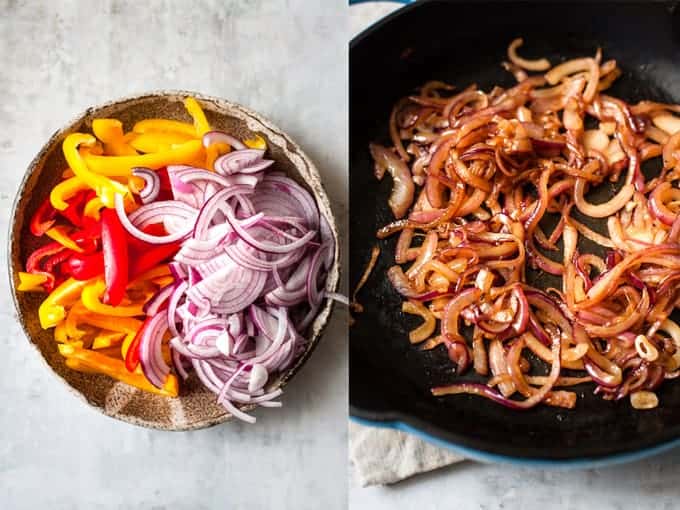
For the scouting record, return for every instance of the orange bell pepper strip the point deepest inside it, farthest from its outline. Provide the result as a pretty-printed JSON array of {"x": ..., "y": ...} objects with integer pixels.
[
  {"x": 157, "y": 142},
  {"x": 124, "y": 325},
  {"x": 60, "y": 332},
  {"x": 29, "y": 282},
  {"x": 52, "y": 310},
  {"x": 115, "y": 368},
  {"x": 60, "y": 235},
  {"x": 121, "y": 166},
  {"x": 79, "y": 366},
  {"x": 110, "y": 131},
  {"x": 64, "y": 190},
  {"x": 105, "y": 188},
  {"x": 164, "y": 126},
  {"x": 91, "y": 297}
]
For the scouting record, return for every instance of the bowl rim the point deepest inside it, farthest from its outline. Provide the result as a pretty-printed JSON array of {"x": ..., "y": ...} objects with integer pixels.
[{"x": 318, "y": 192}]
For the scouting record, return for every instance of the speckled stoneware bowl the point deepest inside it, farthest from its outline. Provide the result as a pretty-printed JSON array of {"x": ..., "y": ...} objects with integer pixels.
[{"x": 195, "y": 407}]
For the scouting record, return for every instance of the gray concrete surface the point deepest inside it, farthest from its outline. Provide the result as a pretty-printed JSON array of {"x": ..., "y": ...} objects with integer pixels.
[{"x": 285, "y": 59}]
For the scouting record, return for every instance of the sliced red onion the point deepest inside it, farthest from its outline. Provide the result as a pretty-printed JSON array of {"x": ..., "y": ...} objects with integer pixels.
[
  {"x": 150, "y": 356},
  {"x": 213, "y": 137},
  {"x": 250, "y": 240},
  {"x": 152, "y": 184}
]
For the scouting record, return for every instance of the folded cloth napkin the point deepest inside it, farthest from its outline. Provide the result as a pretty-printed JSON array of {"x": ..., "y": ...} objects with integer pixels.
[{"x": 385, "y": 456}]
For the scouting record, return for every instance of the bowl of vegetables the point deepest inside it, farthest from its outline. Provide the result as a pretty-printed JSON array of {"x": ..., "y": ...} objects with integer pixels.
[{"x": 173, "y": 257}]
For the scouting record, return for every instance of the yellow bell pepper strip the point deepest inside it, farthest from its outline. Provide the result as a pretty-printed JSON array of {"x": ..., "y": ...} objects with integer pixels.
[
  {"x": 73, "y": 318},
  {"x": 125, "y": 346},
  {"x": 93, "y": 207},
  {"x": 106, "y": 188},
  {"x": 121, "y": 166},
  {"x": 256, "y": 142},
  {"x": 115, "y": 368},
  {"x": 164, "y": 126},
  {"x": 157, "y": 142},
  {"x": 110, "y": 131},
  {"x": 65, "y": 190},
  {"x": 91, "y": 297},
  {"x": 60, "y": 235},
  {"x": 52, "y": 310},
  {"x": 106, "y": 339},
  {"x": 202, "y": 127},
  {"x": 29, "y": 282}
]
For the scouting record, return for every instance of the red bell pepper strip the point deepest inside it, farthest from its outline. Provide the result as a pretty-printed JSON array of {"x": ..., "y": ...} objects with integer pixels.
[
  {"x": 34, "y": 263},
  {"x": 84, "y": 267},
  {"x": 76, "y": 205},
  {"x": 136, "y": 244},
  {"x": 56, "y": 259},
  {"x": 165, "y": 192},
  {"x": 132, "y": 356},
  {"x": 43, "y": 219},
  {"x": 88, "y": 238},
  {"x": 115, "y": 249},
  {"x": 149, "y": 258}
]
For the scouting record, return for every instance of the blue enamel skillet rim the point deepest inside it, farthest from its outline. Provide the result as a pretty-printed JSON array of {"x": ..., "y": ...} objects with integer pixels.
[{"x": 416, "y": 427}]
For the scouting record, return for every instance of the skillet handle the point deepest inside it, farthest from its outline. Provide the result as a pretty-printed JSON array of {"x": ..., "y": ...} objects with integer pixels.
[{"x": 352, "y": 2}]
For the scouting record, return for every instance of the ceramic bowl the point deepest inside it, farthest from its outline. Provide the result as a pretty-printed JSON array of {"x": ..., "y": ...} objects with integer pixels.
[{"x": 195, "y": 407}]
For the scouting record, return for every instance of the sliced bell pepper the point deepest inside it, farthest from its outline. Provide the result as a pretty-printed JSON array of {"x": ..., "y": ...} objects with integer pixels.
[
  {"x": 74, "y": 317},
  {"x": 106, "y": 339},
  {"x": 159, "y": 141},
  {"x": 144, "y": 260},
  {"x": 146, "y": 276},
  {"x": 52, "y": 310},
  {"x": 106, "y": 188},
  {"x": 256, "y": 142},
  {"x": 110, "y": 131},
  {"x": 132, "y": 351},
  {"x": 60, "y": 235},
  {"x": 89, "y": 237},
  {"x": 115, "y": 249},
  {"x": 85, "y": 267},
  {"x": 138, "y": 246},
  {"x": 116, "y": 368},
  {"x": 91, "y": 298},
  {"x": 121, "y": 166},
  {"x": 34, "y": 263},
  {"x": 125, "y": 325},
  {"x": 60, "y": 332},
  {"x": 76, "y": 207},
  {"x": 52, "y": 263},
  {"x": 202, "y": 127},
  {"x": 164, "y": 126},
  {"x": 65, "y": 190},
  {"x": 43, "y": 219},
  {"x": 32, "y": 282},
  {"x": 92, "y": 208}
]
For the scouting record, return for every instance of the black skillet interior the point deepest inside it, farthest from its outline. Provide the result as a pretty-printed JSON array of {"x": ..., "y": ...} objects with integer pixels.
[{"x": 463, "y": 43}]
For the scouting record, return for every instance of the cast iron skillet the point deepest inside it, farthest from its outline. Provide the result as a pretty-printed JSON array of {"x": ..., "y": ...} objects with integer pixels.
[{"x": 463, "y": 43}]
